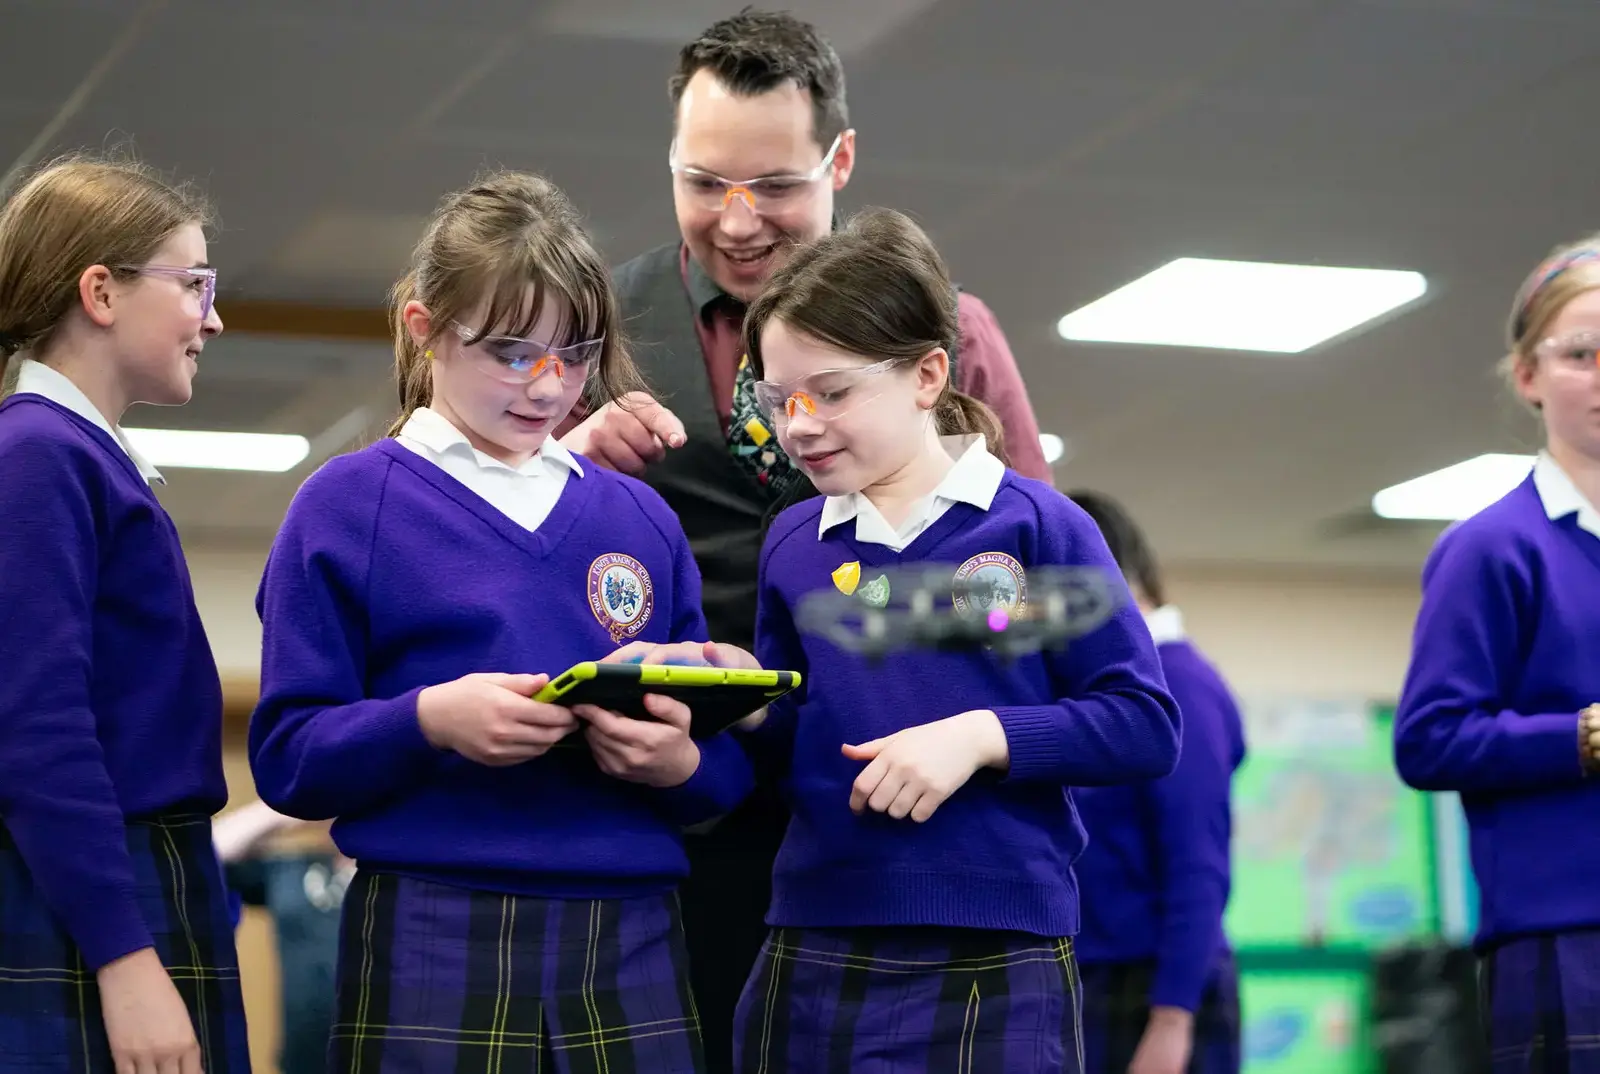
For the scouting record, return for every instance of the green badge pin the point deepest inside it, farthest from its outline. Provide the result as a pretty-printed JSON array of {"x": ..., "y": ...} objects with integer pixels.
[{"x": 876, "y": 592}]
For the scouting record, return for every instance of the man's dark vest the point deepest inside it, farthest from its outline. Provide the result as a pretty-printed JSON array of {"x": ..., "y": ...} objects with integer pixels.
[{"x": 724, "y": 511}]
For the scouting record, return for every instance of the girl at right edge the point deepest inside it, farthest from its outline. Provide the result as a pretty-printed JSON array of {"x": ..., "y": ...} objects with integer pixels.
[
  {"x": 1500, "y": 700},
  {"x": 923, "y": 899}
]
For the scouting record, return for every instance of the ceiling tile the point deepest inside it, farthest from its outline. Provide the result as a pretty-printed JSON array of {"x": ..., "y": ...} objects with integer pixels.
[
  {"x": 1053, "y": 151},
  {"x": 47, "y": 48},
  {"x": 1383, "y": 61}
]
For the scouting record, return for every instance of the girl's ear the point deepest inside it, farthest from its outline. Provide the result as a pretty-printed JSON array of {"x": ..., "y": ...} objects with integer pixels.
[
  {"x": 95, "y": 291},
  {"x": 419, "y": 322},
  {"x": 933, "y": 371},
  {"x": 1524, "y": 373}
]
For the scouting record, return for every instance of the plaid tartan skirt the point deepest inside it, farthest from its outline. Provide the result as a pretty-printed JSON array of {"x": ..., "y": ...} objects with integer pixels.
[
  {"x": 893, "y": 1001},
  {"x": 50, "y": 1016},
  {"x": 438, "y": 978},
  {"x": 1116, "y": 1008},
  {"x": 1541, "y": 999}
]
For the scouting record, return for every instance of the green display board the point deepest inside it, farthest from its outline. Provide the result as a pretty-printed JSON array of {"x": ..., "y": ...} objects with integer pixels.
[
  {"x": 1330, "y": 848},
  {"x": 1305, "y": 1021}
]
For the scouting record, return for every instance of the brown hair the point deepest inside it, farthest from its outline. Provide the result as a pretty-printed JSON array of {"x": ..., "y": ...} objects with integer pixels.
[
  {"x": 755, "y": 52},
  {"x": 1126, "y": 541},
  {"x": 1567, "y": 272},
  {"x": 878, "y": 288},
  {"x": 74, "y": 213},
  {"x": 507, "y": 232}
]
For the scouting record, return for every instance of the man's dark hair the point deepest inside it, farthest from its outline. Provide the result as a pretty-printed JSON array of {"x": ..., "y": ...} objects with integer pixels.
[
  {"x": 1126, "y": 541},
  {"x": 755, "y": 52}
]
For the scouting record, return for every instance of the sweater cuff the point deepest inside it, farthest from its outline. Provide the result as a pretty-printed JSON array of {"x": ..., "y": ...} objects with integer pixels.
[
  {"x": 719, "y": 783},
  {"x": 398, "y": 731},
  {"x": 1177, "y": 985},
  {"x": 106, "y": 928},
  {"x": 1033, "y": 740},
  {"x": 1549, "y": 747}
]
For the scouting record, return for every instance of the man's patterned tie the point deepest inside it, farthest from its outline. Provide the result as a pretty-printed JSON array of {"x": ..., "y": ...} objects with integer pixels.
[{"x": 753, "y": 442}]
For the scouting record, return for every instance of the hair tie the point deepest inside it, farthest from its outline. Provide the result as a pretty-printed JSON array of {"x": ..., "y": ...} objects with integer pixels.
[{"x": 1541, "y": 278}]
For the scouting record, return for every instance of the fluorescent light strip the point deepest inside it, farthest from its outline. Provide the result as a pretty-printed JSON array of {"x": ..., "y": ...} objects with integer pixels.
[
  {"x": 180, "y": 449},
  {"x": 1455, "y": 492},
  {"x": 1242, "y": 305}
]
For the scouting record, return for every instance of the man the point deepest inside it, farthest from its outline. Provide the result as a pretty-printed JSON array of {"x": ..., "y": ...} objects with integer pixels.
[
  {"x": 762, "y": 144},
  {"x": 1160, "y": 989}
]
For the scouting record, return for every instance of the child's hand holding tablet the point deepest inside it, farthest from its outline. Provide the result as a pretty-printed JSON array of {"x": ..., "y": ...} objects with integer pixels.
[
  {"x": 645, "y": 704},
  {"x": 656, "y": 752},
  {"x": 720, "y": 684}
]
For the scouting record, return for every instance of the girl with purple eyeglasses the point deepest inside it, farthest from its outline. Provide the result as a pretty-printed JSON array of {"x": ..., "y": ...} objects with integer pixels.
[{"x": 115, "y": 934}]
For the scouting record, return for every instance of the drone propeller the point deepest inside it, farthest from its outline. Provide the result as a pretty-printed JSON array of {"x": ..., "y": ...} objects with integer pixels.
[{"x": 930, "y": 607}]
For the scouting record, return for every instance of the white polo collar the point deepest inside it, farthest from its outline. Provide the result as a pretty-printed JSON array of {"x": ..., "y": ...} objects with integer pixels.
[
  {"x": 975, "y": 478},
  {"x": 1166, "y": 624},
  {"x": 1560, "y": 496},
  {"x": 435, "y": 432}
]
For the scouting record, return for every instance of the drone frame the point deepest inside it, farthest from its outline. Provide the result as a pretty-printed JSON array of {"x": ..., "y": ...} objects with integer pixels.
[{"x": 923, "y": 611}]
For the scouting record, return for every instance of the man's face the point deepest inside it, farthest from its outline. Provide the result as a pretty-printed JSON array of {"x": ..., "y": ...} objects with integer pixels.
[{"x": 740, "y": 231}]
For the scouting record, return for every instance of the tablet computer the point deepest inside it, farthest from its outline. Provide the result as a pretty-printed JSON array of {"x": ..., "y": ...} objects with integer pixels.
[{"x": 717, "y": 697}]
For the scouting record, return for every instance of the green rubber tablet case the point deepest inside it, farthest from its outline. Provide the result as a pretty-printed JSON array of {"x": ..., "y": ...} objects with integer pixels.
[{"x": 718, "y": 698}]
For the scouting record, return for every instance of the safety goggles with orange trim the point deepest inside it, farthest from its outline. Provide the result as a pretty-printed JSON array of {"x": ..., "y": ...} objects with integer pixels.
[
  {"x": 1578, "y": 351},
  {"x": 767, "y": 194},
  {"x": 515, "y": 360},
  {"x": 826, "y": 395}
]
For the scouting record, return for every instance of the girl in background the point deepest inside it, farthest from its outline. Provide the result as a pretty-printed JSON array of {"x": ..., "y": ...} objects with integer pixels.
[
  {"x": 115, "y": 932},
  {"x": 1500, "y": 700},
  {"x": 513, "y": 904},
  {"x": 1160, "y": 987}
]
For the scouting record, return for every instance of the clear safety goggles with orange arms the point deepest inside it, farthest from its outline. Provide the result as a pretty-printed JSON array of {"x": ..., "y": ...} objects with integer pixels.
[
  {"x": 1578, "y": 350},
  {"x": 768, "y": 193},
  {"x": 515, "y": 360},
  {"x": 826, "y": 395}
]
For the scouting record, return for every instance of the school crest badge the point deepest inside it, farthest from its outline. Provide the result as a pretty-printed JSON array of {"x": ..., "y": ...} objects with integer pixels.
[
  {"x": 621, "y": 595},
  {"x": 876, "y": 592},
  {"x": 988, "y": 581},
  {"x": 846, "y": 577}
]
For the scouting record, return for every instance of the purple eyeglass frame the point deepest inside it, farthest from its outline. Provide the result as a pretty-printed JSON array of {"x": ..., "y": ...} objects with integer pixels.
[{"x": 207, "y": 300}]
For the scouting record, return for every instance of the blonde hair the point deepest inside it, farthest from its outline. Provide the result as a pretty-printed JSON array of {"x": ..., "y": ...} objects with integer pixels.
[
  {"x": 1568, "y": 271},
  {"x": 875, "y": 287},
  {"x": 71, "y": 214},
  {"x": 507, "y": 233}
]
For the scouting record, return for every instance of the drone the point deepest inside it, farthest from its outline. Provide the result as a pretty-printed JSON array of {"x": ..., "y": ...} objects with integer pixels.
[{"x": 992, "y": 606}]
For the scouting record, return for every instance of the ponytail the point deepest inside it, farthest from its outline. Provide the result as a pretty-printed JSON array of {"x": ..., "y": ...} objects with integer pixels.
[
  {"x": 14, "y": 341},
  {"x": 11, "y": 344},
  {"x": 959, "y": 414},
  {"x": 412, "y": 376}
]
